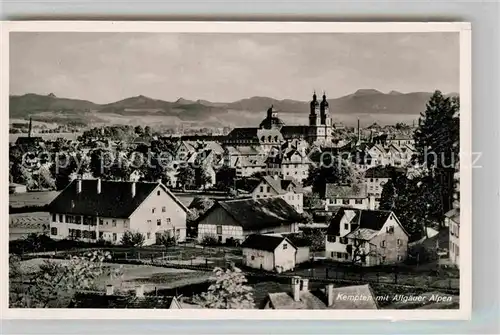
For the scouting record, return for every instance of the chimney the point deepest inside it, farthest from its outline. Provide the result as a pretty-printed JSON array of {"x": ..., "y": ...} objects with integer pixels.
[
  {"x": 133, "y": 189},
  {"x": 139, "y": 291},
  {"x": 78, "y": 185},
  {"x": 329, "y": 295},
  {"x": 296, "y": 288},
  {"x": 110, "y": 289},
  {"x": 305, "y": 285},
  {"x": 98, "y": 185},
  {"x": 29, "y": 130}
]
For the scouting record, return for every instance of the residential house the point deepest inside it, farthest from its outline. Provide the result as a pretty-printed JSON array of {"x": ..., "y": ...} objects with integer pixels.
[
  {"x": 93, "y": 210},
  {"x": 288, "y": 190},
  {"x": 452, "y": 219},
  {"x": 301, "y": 296},
  {"x": 355, "y": 196},
  {"x": 376, "y": 177},
  {"x": 401, "y": 139},
  {"x": 288, "y": 163},
  {"x": 236, "y": 219},
  {"x": 366, "y": 237},
  {"x": 269, "y": 252}
]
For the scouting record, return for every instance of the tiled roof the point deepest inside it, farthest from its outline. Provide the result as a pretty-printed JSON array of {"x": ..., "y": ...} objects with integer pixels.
[
  {"x": 334, "y": 191},
  {"x": 372, "y": 220},
  {"x": 243, "y": 133},
  {"x": 347, "y": 297},
  {"x": 264, "y": 242},
  {"x": 259, "y": 213},
  {"x": 454, "y": 215},
  {"x": 114, "y": 201},
  {"x": 364, "y": 234}
]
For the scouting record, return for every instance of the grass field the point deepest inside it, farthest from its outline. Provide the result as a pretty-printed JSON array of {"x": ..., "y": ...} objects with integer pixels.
[{"x": 134, "y": 275}]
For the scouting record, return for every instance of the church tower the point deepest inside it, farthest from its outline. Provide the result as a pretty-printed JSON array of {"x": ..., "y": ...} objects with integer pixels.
[
  {"x": 314, "y": 117},
  {"x": 325, "y": 112}
]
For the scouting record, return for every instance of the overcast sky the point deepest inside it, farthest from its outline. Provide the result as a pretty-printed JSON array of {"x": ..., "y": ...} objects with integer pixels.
[{"x": 105, "y": 67}]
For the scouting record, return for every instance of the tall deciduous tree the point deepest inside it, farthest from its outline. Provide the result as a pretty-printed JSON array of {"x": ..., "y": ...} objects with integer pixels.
[
  {"x": 330, "y": 169},
  {"x": 229, "y": 291}
]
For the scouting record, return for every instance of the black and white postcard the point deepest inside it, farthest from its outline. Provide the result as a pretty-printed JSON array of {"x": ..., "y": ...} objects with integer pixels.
[{"x": 231, "y": 170}]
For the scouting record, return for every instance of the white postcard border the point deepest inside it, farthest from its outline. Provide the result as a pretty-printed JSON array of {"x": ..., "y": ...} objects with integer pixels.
[{"x": 463, "y": 28}]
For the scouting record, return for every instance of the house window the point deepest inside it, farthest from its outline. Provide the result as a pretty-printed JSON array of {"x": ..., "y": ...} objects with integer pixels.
[
  {"x": 164, "y": 209},
  {"x": 78, "y": 233},
  {"x": 331, "y": 238},
  {"x": 114, "y": 237},
  {"x": 382, "y": 244},
  {"x": 339, "y": 255},
  {"x": 54, "y": 217},
  {"x": 61, "y": 219},
  {"x": 93, "y": 235},
  {"x": 153, "y": 210},
  {"x": 332, "y": 254},
  {"x": 86, "y": 234},
  {"x": 345, "y": 201},
  {"x": 125, "y": 224},
  {"x": 70, "y": 219},
  {"x": 148, "y": 235},
  {"x": 285, "y": 246},
  {"x": 101, "y": 222},
  {"x": 400, "y": 258},
  {"x": 101, "y": 234},
  {"x": 262, "y": 189},
  {"x": 78, "y": 219},
  {"x": 399, "y": 241},
  {"x": 158, "y": 192},
  {"x": 53, "y": 231},
  {"x": 268, "y": 189},
  {"x": 346, "y": 226},
  {"x": 359, "y": 201},
  {"x": 158, "y": 222},
  {"x": 169, "y": 221},
  {"x": 390, "y": 229},
  {"x": 252, "y": 258},
  {"x": 219, "y": 230},
  {"x": 346, "y": 255},
  {"x": 149, "y": 221},
  {"x": 371, "y": 180},
  {"x": 457, "y": 251},
  {"x": 113, "y": 223}
]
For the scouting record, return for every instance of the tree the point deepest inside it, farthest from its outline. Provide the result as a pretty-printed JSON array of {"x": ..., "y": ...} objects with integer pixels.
[
  {"x": 315, "y": 237},
  {"x": 167, "y": 240},
  {"x": 147, "y": 131},
  {"x": 55, "y": 283},
  {"x": 312, "y": 200},
  {"x": 138, "y": 130},
  {"x": 202, "y": 177},
  {"x": 132, "y": 239},
  {"x": 224, "y": 178},
  {"x": 228, "y": 291},
  {"x": 331, "y": 169},
  {"x": 437, "y": 142},
  {"x": 187, "y": 177}
]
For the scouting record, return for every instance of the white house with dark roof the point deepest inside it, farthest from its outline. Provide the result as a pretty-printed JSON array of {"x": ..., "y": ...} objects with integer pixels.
[
  {"x": 239, "y": 218},
  {"x": 287, "y": 189},
  {"x": 269, "y": 252},
  {"x": 366, "y": 237},
  {"x": 91, "y": 210},
  {"x": 355, "y": 196}
]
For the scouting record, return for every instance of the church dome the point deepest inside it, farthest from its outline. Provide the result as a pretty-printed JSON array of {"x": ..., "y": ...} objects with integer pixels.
[
  {"x": 271, "y": 122},
  {"x": 314, "y": 101},
  {"x": 324, "y": 103}
]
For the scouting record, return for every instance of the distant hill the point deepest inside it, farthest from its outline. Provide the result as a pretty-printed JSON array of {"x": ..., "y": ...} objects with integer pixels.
[
  {"x": 368, "y": 102},
  {"x": 27, "y": 104}
]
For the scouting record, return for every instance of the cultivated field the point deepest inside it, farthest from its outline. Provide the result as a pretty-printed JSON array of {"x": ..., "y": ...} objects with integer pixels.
[{"x": 20, "y": 225}]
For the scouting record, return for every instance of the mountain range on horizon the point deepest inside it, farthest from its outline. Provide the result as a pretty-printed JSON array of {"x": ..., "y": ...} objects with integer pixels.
[{"x": 362, "y": 102}]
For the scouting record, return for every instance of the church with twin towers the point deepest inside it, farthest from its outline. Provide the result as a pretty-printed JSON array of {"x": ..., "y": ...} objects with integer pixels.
[{"x": 273, "y": 130}]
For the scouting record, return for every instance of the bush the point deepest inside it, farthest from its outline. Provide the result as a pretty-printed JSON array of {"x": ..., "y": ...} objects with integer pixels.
[
  {"x": 232, "y": 242},
  {"x": 166, "y": 240},
  {"x": 132, "y": 239},
  {"x": 419, "y": 254},
  {"x": 209, "y": 240}
]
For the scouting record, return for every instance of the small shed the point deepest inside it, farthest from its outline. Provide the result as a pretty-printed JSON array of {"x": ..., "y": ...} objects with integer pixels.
[{"x": 269, "y": 252}]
